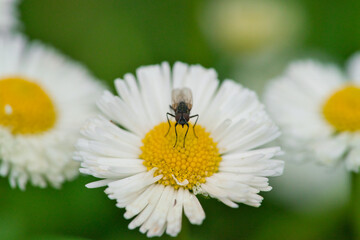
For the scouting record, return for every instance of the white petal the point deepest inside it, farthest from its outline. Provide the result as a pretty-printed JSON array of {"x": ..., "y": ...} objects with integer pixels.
[
  {"x": 175, "y": 214},
  {"x": 155, "y": 224},
  {"x": 155, "y": 87},
  {"x": 117, "y": 110},
  {"x": 192, "y": 208},
  {"x": 99, "y": 128},
  {"x": 140, "y": 203},
  {"x": 97, "y": 184},
  {"x": 329, "y": 151},
  {"x": 144, "y": 215},
  {"x": 352, "y": 161},
  {"x": 242, "y": 175},
  {"x": 353, "y": 68},
  {"x": 136, "y": 183}
]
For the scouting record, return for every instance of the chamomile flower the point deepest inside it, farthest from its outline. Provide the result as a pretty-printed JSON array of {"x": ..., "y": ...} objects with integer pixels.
[
  {"x": 252, "y": 27},
  {"x": 8, "y": 15},
  {"x": 135, "y": 154},
  {"x": 318, "y": 110},
  {"x": 44, "y": 99}
]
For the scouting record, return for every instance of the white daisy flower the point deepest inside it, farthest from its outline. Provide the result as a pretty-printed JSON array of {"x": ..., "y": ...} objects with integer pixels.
[
  {"x": 153, "y": 176},
  {"x": 318, "y": 110},
  {"x": 8, "y": 15},
  {"x": 44, "y": 99}
]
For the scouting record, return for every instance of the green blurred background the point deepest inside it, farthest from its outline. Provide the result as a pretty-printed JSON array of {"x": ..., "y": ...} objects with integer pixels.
[{"x": 115, "y": 37}]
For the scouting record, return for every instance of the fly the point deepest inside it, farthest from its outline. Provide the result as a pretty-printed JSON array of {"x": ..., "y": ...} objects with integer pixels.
[{"x": 181, "y": 105}]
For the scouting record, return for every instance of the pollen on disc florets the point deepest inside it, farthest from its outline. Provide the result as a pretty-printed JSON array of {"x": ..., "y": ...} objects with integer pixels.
[
  {"x": 180, "y": 166},
  {"x": 25, "y": 108},
  {"x": 342, "y": 109}
]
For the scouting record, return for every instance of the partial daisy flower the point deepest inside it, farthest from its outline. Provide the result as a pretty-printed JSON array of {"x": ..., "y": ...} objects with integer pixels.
[
  {"x": 252, "y": 26},
  {"x": 8, "y": 15},
  {"x": 155, "y": 172},
  {"x": 318, "y": 110},
  {"x": 44, "y": 99}
]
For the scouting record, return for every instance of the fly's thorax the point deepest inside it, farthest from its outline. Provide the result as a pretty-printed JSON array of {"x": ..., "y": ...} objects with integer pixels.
[
  {"x": 182, "y": 108},
  {"x": 182, "y": 113}
]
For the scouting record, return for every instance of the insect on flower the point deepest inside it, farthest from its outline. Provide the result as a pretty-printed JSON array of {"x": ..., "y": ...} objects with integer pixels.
[
  {"x": 181, "y": 105},
  {"x": 156, "y": 182}
]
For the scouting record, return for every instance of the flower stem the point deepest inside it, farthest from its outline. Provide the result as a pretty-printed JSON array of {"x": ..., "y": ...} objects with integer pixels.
[{"x": 354, "y": 207}]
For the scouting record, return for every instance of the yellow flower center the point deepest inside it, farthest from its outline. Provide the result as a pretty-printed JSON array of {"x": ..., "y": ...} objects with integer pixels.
[
  {"x": 25, "y": 108},
  {"x": 342, "y": 109},
  {"x": 181, "y": 166}
]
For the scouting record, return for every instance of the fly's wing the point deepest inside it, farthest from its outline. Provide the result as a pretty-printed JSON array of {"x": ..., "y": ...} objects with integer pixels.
[
  {"x": 181, "y": 95},
  {"x": 174, "y": 97}
]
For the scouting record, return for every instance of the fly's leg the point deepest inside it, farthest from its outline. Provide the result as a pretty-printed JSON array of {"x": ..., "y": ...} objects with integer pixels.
[
  {"x": 175, "y": 134},
  {"x": 167, "y": 116},
  {"x": 186, "y": 134},
  {"x": 197, "y": 115}
]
